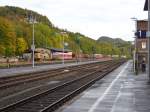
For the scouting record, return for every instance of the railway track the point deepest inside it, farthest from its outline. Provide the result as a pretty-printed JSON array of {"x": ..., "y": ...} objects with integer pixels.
[
  {"x": 20, "y": 91},
  {"x": 50, "y": 80},
  {"x": 21, "y": 79},
  {"x": 51, "y": 99}
]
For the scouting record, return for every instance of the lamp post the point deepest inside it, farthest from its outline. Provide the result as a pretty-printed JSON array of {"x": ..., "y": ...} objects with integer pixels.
[
  {"x": 135, "y": 58},
  {"x": 78, "y": 43},
  {"x": 33, "y": 46},
  {"x": 32, "y": 20},
  {"x": 77, "y": 53},
  {"x": 63, "y": 46},
  {"x": 93, "y": 52},
  {"x": 147, "y": 8},
  {"x": 148, "y": 36}
]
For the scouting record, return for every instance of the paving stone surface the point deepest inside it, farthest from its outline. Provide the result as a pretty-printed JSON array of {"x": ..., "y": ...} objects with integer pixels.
[{"x": 120, "y": 91}]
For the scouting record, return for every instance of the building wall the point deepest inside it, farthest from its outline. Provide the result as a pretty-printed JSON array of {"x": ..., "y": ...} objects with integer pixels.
[
  {"x": 142, "y": 25},
  {"x": 141, "y": 42},
  {"x": 41, "y": 54},
  {"x": 61, "y": 55}
]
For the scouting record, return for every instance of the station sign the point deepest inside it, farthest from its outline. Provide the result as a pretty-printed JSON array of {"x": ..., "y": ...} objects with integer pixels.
[
  {"x": 33, "y": 47},
  {"x": 141, "y": 34}
]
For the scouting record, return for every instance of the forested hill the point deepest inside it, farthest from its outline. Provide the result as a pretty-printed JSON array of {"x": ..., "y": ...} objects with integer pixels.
[
  {"x": 16, "y": 35},
  {"x": 118, "y": 45},
  {"x": 112, "y": 40},
  {"x": 16, "y": 13}
]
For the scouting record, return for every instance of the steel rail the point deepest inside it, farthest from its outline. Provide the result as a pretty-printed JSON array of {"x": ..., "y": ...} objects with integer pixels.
[
  {"x": 39, "y": 76},
  {"x": 67, "y": 84}
]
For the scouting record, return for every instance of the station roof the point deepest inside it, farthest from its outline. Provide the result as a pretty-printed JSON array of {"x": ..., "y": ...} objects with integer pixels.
[
  {"x": 59, "y": 50},
  {"x": 146, "y": 5},
  {"x": 30, "y": 51},
  {"x": 51, "y": 49}
]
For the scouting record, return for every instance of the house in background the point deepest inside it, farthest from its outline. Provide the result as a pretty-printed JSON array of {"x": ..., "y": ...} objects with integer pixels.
[{"x": 41, "y": 54}]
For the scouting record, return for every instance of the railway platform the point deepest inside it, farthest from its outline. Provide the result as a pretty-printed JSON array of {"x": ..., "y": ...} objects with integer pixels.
[
  {"x": 8, "y": 72},
  {"x": 120, "y": 91}
]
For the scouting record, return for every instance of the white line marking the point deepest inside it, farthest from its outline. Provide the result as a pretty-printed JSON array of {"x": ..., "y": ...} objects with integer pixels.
[
  {"x": 118, "y": 96},
  {"x": 107, "y": 90}
]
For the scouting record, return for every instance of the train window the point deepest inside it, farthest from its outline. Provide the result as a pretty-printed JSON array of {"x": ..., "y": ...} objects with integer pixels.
[{"x": 143, "y": 45}]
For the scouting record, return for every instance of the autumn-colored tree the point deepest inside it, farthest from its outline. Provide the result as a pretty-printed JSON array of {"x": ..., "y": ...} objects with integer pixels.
[
  {"x": 7, "y": 36},
  {"x": 21, "y": 46}
]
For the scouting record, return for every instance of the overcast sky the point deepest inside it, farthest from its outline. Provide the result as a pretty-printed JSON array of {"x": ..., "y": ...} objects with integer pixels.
[{"x": 93, "y": 18}]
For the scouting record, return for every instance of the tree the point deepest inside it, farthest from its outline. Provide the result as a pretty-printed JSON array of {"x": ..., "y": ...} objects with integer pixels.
[
  {"x": 21, "y": 46},
  {"x": 2, "y": 50},
  {"x": 8, "y": 51},
  {"x": 7, "y": 36}
]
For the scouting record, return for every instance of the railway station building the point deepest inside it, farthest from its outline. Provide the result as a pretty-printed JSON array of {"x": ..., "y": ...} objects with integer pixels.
[{"x": 141, "y": 42}]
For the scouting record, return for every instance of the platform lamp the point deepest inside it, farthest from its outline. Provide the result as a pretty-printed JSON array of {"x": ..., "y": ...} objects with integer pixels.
[
  {"x": 148, "y": 36},
  {"x": 63, "y": 33},
  {"x": 77, "y": 40},
  {"x": 147, "y": 8},
  {"x": 93, "y": 51},
  {"x": 135, "y": 58},
  {"x": 32, "y": 20}
]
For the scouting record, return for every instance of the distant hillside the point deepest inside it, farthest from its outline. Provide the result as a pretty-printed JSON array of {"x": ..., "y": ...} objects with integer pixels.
[
  {"x": 118, "y": 45},
  {"x": 111, "y": 40}
]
